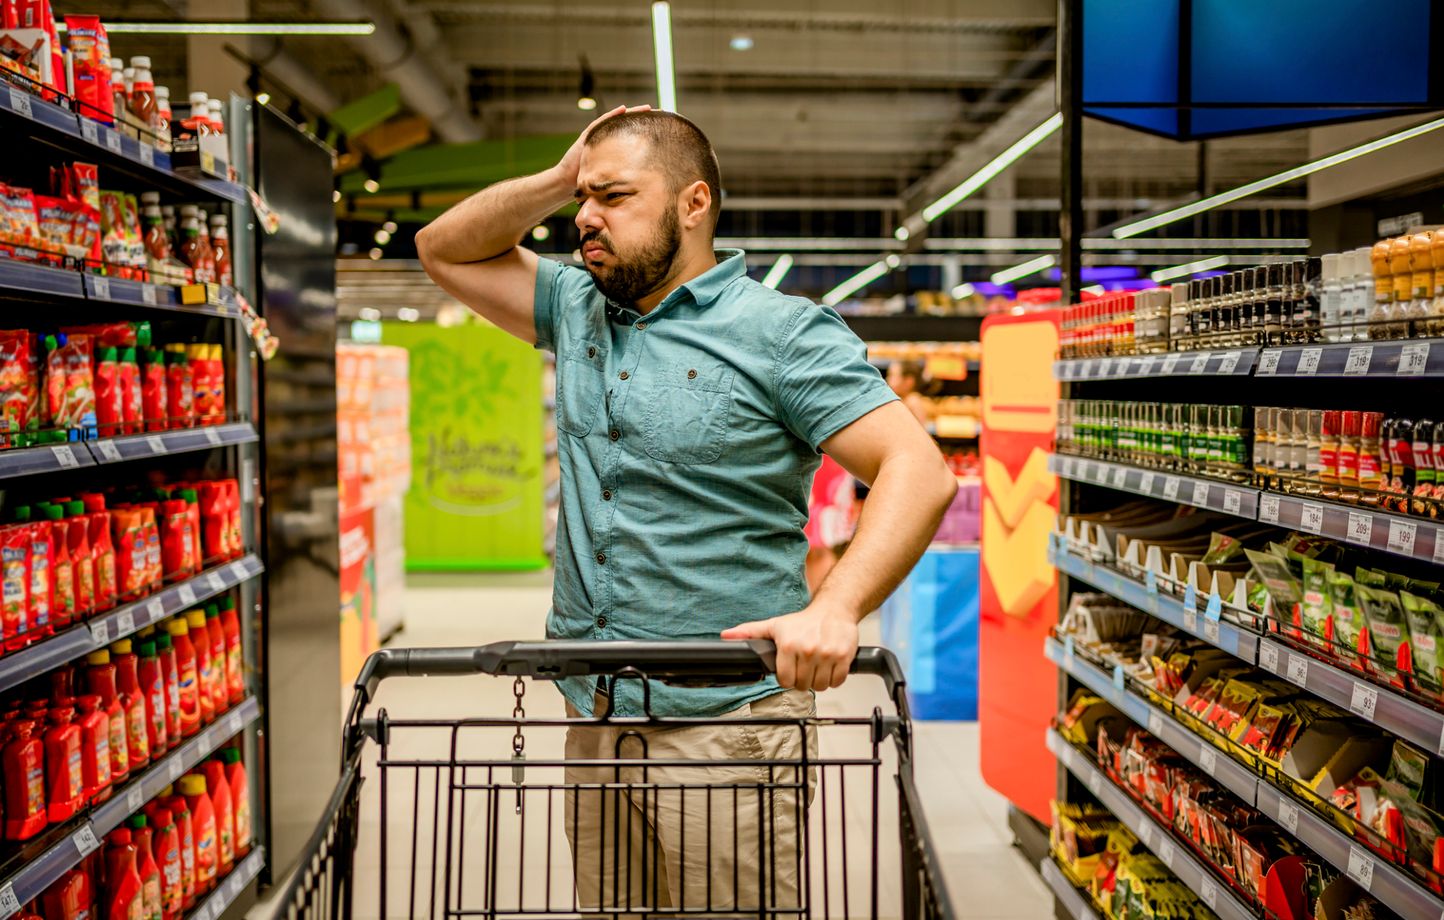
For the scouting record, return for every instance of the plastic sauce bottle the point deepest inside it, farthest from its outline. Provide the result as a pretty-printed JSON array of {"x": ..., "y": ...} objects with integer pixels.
[
  {"x": 82, "y": 562},
  {"x": 205, "y": 668},
  {"x": 171, "y": 675},
  {"x": 126, "y": 896},
  {"x": 220, "y": 680},
  {"x": 24, "y": 769},
  {"x": 154, "y": 404},
  {"x": 185, "y": 833},
  {"x": 200, "y": 120},
  {"x": 137, "y": 721},
  {"x": 163, "y": 116},
  {"x": 187, "y": 669},
  {"x": 146, "y": 867},
  {"x": 102, "y": 551},
  {"x": 70, "y": 898},
  {"x": 240, "y": 798},
  {"x": 215, "y": 116},
  {"x": 235, "y": 655},
  {"x": 152, "y": 685},
  {"x": 167, "y": 850},
  {"x": 63, "y": 765},
  {"x": 142, "y": 95},
  {"x": 94, "y": 749},
  {"x": 102, "y": 683},
  {"x": 193, "y": 521},
  {"x": 62, "y": 597},
  {"x": 203, "y": 829},
  {"x": 41, "y": 593},
  {"x": 180, "y": 390},
  {"x": 220, "y": 793},
  {"x": 221, "y": 248}
]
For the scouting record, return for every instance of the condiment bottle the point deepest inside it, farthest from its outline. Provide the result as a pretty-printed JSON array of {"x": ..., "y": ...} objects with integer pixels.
[
  {"x": 167, "y": 849},
  {"x": 63, "y": 766},
  {"x": 94, "y": 727},
  {"x": 1329, "y": 453},
  {"x": 151, "y": 885},
  {"x": 70, "y": 898},
  {"x": 142, "y": 96},
  {"x": 121, "y": 101},
  {"x": 220, "y": 794},
  {"x": 220, "y": 684},
  {"x": 101, "y": 676},
  {"x": 126, "y": 896},
  {"x": 203, "y": 828},
  {"x": 137, "y": 721},
  {"x": 1349, "y": 430},
  {"x": 207, "y": 254},
  {"x": 170, "y": 673},
  {"x": 1331, "y": 298},
  {"x": 215, "y": 116},
  {"x": 1314, "y": 460},
  {"x": 1436, "y": 308},
  {"x": 1383, "y": 291},
  {"x": 1400, "y": 447},
  {"x": 181, "y": 814},
  {"x": 152, "y": 684},
  {"x": 199, "y": 122},
  {"x": 24, "y": 769},
  {"x": 189, "y": 676},
  {"x": 163, "y": 116},
  {"x": 221, "y": 248},
  {"x": 1400, "y": 267},
  {"x": 240, "y": 798},
  {"x": 1421, "y": 295},
  {"x": 1425, "y": 475}
]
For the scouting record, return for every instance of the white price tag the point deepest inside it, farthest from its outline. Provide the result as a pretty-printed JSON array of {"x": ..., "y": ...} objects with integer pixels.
[
  {"x": 1190, "y": 621},
  {"x": 1166, "y": 852},
  {"x": 147, "y": 154},
  {"x": 1361, "y": 528},
  {"x": 148, "y": 294},
  {"x": 1441, "y": 754},
  {"x": 1170, "y": 488},
  {"x": 214, "y": 437},
  {"x": 102, "y": 287},
  {"x": 85, "y": 841},
  {"x": 174, "y": 768},
  {"x": 1145, "y": 485},
  {"x": 155, "y": 609},
  {"x": 1170, "y": 363},
  {"x": 1358, "y": 361},
  {"x": 1439, "y": 560},
  {"x": 65, "y": 456},
  {"x": 1145, "y": 834},
  {"x": 124, "y": 623},
  {"x": 1299, "y": 670},
  {"x": 1105, "y": 367},
  {"x": 1207, "y": 757},
  {"x": 216, "y": 582},
  {"x": 1268, "y": 509},
  {"x": 1232, "y": 500},
  {"x": 1361, "y": 867},
  {"x": 1200, "y": 494},
  {"x": 1309, "y": 361},
  {"x": 1268, "y": 656},
  {"x": 1311, "y": 518},
  {"x": 20, "y": 102},
  {"x": 186, "y": 594},
  {"x": 156, "y": 444},
  {"x": 1120, "y": 476},
  {"x": 1288, "y": 816},
  {"x": 234, "y": 723},
  {"x": 206, "y": 744},
  {"x": 1094, "y": 780},
  {"x": 1155, "y": 723},
  {"x": 1145, "y": 367},
  {"x": 112, "y": 141},
  {"x": 1208, "y": 890},
  {"x": 1210, "y": 630},
  {"x": 203, "y": 912},
  {"x": 1401, "y": 537},
  {"x": 1200, "y": 363},
  {"x": 100, "y": 632},
  {"x": 1229, "y": 364},
  {"x": 9, "y": 904},
  {"x": 109, "y": 451},
  {"x": 1414, "y": 359},
  {"x": 1125, "y": 366},
  {"x": 238, "y": 572},
  {"x": 134, "y": 799},
  {"x": 89, "y": 130},
  {"x": 1364, "y": 700},
  {"x": 1268, "y": 362}
]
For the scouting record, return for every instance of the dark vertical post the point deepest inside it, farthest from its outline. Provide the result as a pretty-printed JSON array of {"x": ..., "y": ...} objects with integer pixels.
[{"x": 1070, "y": 103}]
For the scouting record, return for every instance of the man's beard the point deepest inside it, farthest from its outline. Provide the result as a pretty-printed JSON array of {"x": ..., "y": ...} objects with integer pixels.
[{"x": 636, "y": 276}]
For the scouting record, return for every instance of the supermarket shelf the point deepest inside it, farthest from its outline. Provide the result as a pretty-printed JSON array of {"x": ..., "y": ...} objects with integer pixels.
[
  {"x": 1393, "y": 886},
  {"x": 47, "y": 458},
  {"x": 82, "y": 837},
  {"x": 1073, "y": 901},
  {"x": 1206, "y": 625},
  {"x": 86, "y": 138},
  {"x": 161, "y": 443},
  {"x": 1401, "y": 358},
  {"x": 1189, "y": 490},
  {"x": 1412, "y": 537},
  {"x": 150, "y": 296},
  {"x": 1157, "y": 838},
  {"x": 1231, "y": 774},
  {"x": 230, "y": 887},
  {"x": 1407, "y": 719},
  {"x": 94, "y": 634},
  {"x": 18, "y": 277},
  {"x": 1238, "y": 362}
]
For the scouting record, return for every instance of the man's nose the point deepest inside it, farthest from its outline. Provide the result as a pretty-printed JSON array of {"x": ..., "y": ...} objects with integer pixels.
[{"x": 588, "y": 218}]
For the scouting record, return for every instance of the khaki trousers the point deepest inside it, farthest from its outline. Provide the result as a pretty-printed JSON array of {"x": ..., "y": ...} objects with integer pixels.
[{"x": 701, "y": 836}]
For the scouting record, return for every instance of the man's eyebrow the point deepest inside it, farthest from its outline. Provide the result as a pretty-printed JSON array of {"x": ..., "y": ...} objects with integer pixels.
[{"x": 599, "y": 186}]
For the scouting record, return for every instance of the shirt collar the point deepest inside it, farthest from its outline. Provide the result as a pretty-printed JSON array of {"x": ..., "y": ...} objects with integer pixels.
[{"x": 705, "y": 288}]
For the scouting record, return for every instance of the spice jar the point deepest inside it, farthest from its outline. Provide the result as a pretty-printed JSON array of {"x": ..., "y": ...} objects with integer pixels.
[
  {"x": 1313, "y": 457},
  {"x": 1371, "y": 477},
  {"x": 1329, "y": 454},
  {"x": 1349, "y": 427}
]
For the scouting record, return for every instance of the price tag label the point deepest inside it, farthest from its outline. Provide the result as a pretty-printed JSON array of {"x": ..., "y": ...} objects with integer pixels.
[
  {"x": 1150, "y": 581},
  {"x": 1200, "y": 494},
  {"x": 216, "y": 582},
  {"x": 1145, "y": 367},
  {"x": 1170, "y": 488},
  {"x": 1214, "y": 610},
  {"x": 1268, "y": 362},
  {"x": 1268, "y": 656},
  {"x": 112, "y": 141},
  {"x": 174, "y": 768},
  {"x": 9, "y": 904},
  {"x": 101, "y": 286},
  {"x": 1364, "y": 700},
  {"x": 155, "y": 609},
  {"x": 214, "y": 437},
  {"x": 238, "y": 572},
  {"x": 1166, "y": 852},
  {"x": 207, "y": 743},
  {"x": 1145, "y": 834},
  {"x": 1360, "y": 529},
  {"x": 1229, "y": 364},
  {"x": 234, "y": 723},
  {"x": 1208, "y": 890},
  {"x": 65, "y": 456},
  {"x": 1210, "y": 630},
  {"x": 1125, "y": 367},
  {"x": 124, "y": 623},
  {"x": 1100, "y": 474},
  {"x": 1190, "y": 598},
  {"x": 1268, "y": 509},
  {"x": 1145, "y": 485},
  {"x": 1094, "y": 781},
  {"x": 20, "y": 102},
  {"x": 109, "y": 451},
  {"x": 1311, "y": 518},
  {"x": 1288, "y": 816},
  {"x": 1361, "y": 867},
  {"x": 134, "y": 799},
  {"x": 1120, "y": 681},
  {"x": 1105, "y": 367},
  {"x": 1200, "y": 363},
  {"x": 1155, "y": 723},
  {"x": 1190, "y": 621},
  {"x": 148, "y": 294},
  {"x": 1299, "y": 670},
  {"x": 1402, "y": 535},
  {"x": 1207, "y": 757},
  {"x": 1358, "y": 361},
  {"x": 100, "y": 632},
  {"x": 1414, "y": 359},
  {"x": 1309, "y": 361},
  {"x": 1170, "y": 363},
  {"x": 89, "y": 130},
  {"x": 85, "y": 841},
  {"x": 186, "y": 594},
  {"x": 147, "y": 154},
  {"x": 156, "y": 445}
]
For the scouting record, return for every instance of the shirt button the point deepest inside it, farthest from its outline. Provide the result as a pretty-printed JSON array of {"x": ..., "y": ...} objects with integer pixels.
[
  {"x": 606, "y": 495},
  {"x": 591, "y": 352},
  {"x": 615, "y": 435},
  {"x": 624, "y": 375},
  {"x": 601, "y": 558},
  {"x": 641, "y": 326},
  {"x": 691, "y": 375},
  {"x": 601, "y": 622}
]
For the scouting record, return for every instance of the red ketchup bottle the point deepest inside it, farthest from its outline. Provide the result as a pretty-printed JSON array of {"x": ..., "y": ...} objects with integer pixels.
[
  {"x": 64, "y": 765},
  {"x": 137, "y": 730},
  {"x": 152, "y": 685},
  {"x": 167, "y": 847},
  {"x": 220, "y": 682},
  {"x": 102, "y": 683},
  {"x": 146, "y": 867},
  {"x": 240, "y": 798},
  {"x": 181, "y": 813},
  {"x": 125, "y": 897},
  {"x": 235, "y": 656},
  {"x": 24, "y": 768},
  {"x": 170, "y": 673},
  {"x": 203, "y": 830},
  {"x": 94, "y": 749},
  {"x": 220, "y": 792}
]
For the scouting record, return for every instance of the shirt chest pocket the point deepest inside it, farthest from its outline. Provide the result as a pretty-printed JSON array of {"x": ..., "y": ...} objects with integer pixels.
[
  {"x": 579, "y": 388},
  {"x": 686, "y": 410}
]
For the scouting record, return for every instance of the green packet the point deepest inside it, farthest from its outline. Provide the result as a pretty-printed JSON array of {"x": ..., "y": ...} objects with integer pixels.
[
  {"x": 1426, "y": 635},
  {"x": 1387, "y": 627},
  {"x": 1349, "y": 620},
  {"x": 1371, "y": 577},
  {"x": 1222, "y": 548},
  {"x": 1274, "y": 574},
  {"x": 1407, "y": 767},
  {"x": 1316, "y": 607}
]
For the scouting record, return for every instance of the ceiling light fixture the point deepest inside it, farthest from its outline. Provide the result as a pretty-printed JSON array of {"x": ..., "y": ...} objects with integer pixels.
[
  {"x": 662, "y": 49},
  {"x": 371, "y": 185},
  {"x": 1189, "y": 268},
  {"x": 741, "y": 43},
  {"x": 856, "y": 283},
  {"x": 587, "y": 90},
  {"x": 236, "y": 28},
  {"x": 390, "y": 225},
  {"x": 335, "y": 195},
  {"x": 375, "y": 254},
  {"x": 994, "y": 166},
  {"x": 777, "y": 272},
  {"x": 540, "y": 232},
  {"x": 962, "y": 291},
  {"x": 1298, "y": 172},
  {"x": 382, "y": 237},
  {"x": 1023, "y": 270},
  {"x": 370, "y": 314},
  {"x": 408, "y": 314},
  {"x": 901, "y": 234},
  {"x": 263, "y": 99}
]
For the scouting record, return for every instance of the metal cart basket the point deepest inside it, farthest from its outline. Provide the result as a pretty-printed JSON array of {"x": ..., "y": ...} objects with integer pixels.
[{"x": 650, "y": 824}]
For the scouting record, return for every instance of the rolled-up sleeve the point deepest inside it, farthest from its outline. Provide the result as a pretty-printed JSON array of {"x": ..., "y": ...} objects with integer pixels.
[
  {"x": 556, "y": 286},
  {"x": 821, "y": 378}
]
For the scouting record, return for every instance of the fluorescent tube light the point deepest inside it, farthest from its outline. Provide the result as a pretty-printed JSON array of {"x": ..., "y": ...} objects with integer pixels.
[
  {"x": 962, "y": 292},
  {"x": 999, "y": 163},
  {"x": 237, "y": 28},
  {"x": 856, "y": 283},
  {"x": 662, "y": 48},
  {"x": 1023, "y": 270},
  {"x": 1097, "y": 243},
  {"x": 1258, "y": 185},
  {"x": 1097, "y": 290},
  {"x": 778, "y": 271},
  {"x": 1188, "y": 268},
  {"x": 902, "y": 233}
]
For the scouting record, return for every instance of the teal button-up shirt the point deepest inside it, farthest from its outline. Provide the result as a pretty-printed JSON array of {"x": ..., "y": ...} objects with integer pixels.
[{"x": 688, "y": 440}]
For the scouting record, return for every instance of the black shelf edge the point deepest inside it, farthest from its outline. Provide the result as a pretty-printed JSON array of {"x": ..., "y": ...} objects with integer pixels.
[
  {"x": 229, "y": 888},
  {"x": 40, "y": 873},
  {"x": 125, "y": 448},
  {"x": 1074, "y": 902},
  {"x": 19, "y": 277},
  {"x": 1359, "y": 525},
  {"x": 1215, "y": 495},
  {"x": 45, "y": 458},
  {"x": 1236, "y": 362},
  {"x": 150, "y": 295},
  {"x": 84, "y": 638},
  {"x": 1408, "y": 358}
]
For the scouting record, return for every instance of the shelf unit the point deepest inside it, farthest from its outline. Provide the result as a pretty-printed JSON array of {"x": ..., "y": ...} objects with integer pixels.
[
  {"x": 1230, "y": 362},
  {"x": 1388, "y": 359},
  {"x": 1074, "y": 902},
  {"x": 229, "y": 889}
]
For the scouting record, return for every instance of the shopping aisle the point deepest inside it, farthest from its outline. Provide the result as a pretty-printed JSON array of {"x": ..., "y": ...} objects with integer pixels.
[{"x": 989, "y": 880}]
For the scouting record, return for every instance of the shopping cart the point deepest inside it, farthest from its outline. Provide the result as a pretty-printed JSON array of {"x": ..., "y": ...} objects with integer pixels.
[{"x": 452, "y": 830}]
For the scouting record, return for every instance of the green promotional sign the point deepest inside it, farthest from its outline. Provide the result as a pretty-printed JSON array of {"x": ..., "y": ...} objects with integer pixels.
[{"x": 476, "y": 499}]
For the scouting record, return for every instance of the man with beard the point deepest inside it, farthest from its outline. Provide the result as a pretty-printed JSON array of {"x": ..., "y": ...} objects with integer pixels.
[{"x": 692, "y": 404}]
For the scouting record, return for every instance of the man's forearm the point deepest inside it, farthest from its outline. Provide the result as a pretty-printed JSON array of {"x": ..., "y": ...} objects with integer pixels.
[
  {"x": 902, "y": 512},
  {"x": 494, "y": 220}
]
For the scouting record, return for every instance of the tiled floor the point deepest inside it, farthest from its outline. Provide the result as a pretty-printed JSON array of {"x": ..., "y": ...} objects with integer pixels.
[{"x": 986, "y": 877}]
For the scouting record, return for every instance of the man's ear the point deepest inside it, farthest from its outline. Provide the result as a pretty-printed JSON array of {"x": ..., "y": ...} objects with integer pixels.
[{"x": 696, "y": 204}]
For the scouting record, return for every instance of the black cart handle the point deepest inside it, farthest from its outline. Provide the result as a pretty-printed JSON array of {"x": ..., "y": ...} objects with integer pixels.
[{"x": 684, "y": 663}]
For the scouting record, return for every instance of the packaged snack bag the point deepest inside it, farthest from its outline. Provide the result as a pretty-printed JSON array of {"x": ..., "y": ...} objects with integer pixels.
[
  {"x": 114, "y": 241},
  {"x": 70, "y": 381},
  {"x": 90, "y": 56},
  {"x": 15, "y": 384},
  {"x": 19, "y": 226},
  {"x": 14, "y": 582}
]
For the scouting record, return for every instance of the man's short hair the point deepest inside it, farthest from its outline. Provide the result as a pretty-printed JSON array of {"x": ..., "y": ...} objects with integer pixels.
[{"x": 678, "y": 146}]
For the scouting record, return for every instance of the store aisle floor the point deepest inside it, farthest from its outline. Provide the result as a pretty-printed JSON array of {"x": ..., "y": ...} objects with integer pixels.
[{"x": 988, "y": 879}]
